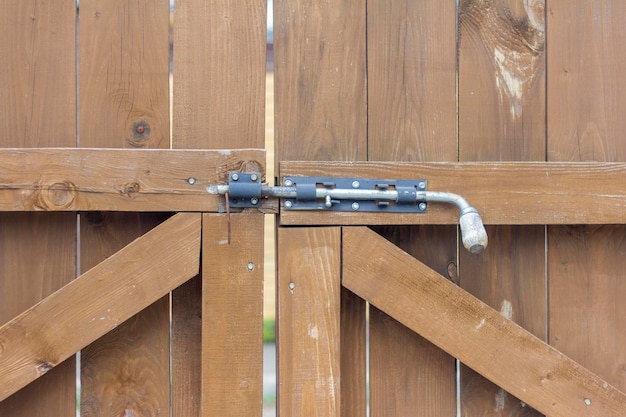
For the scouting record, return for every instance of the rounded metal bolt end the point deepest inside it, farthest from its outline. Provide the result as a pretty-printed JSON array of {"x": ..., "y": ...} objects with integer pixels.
[{"x": 473, "y": 231}]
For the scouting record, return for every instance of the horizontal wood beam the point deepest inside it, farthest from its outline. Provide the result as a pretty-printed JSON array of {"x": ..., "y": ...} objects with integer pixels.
[
  {"x": 98, "y": 301},
  {"x": 118, "y": 179},
  {"x": 476, "y": 334},
  {"x": 503, "y": 192}
]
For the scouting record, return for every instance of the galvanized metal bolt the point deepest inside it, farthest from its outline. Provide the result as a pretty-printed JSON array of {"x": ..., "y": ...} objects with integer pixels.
[
  {"x": 422, "y": 206},
  {"x": 254, "y": 177},
  {"x": 587, "y": 402},
  {"x": 191, "y": 180},
  {"x": 288, "y": 182},
  {"x": 250, "y": 266},
  {"x": 355, "y": 184},
  {"x": 355, "y": 206},
  {"x": 254, "y": 201},
  {"x": 288, "y": 204},
  {"x": 292, "y": 286},
  {"x": 422, "y": 185},
  {"x": 235, "y": 177}
]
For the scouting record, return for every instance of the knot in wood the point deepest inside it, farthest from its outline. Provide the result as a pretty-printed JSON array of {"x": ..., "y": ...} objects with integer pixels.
[{"x": 58, "y": 195}]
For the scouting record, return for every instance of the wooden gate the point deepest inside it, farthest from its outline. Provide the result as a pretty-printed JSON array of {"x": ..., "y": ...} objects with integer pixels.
[{"x": 516, "y": 105}]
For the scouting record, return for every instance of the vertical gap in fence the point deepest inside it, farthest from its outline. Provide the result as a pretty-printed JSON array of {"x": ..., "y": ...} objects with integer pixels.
[
  {"x": 586, "y": 102},
  {"x": 411, "y": 117},
  {"x": 124, "y": 103},
  {"x": 502, "y": 118},
  {"x": 218, "y": 103},
  {"x": 37, "y": 109}
]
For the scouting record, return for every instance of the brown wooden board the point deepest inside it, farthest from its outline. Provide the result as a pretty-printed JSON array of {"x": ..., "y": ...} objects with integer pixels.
[
  {"x": 124, "y": 103},
  {"x": 550, "y": 193},
  {"x": 232, "y": 311},
  {"x": 218, "y": 103},
  {"x": 411, "y": 117},
  {"x": 586, "y": 99},
  {"x": 469, "y": 329},
  {"x": 37, "y": 108},
  {"x": 309, "y": 299},
  {"x": 321, "y": 114},
  {"x": 117, "y": 179},
  {"x": 502, "y": 118},
  {"x": 77, "y": 314}
]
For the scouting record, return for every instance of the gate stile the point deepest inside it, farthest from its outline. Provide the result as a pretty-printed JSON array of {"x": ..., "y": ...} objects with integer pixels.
[{"x": 364, "y": 89}]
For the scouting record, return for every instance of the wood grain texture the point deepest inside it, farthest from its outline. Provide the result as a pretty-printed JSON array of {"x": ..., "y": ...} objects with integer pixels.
[
  {"x": 219, "y": 74},
  {"x": 550, "y": 193},
  {"x": 586, "y": 100},
  {"x": 124, "y": 103},
  {"x": 411, "y": 80},
  {"x": 117, "y": 179},
  {"x": 37, "y": 108},
  {"x": 309, "y": 301},
  {"x": 96, "y": 302},
  {"x": 232, "y": 315},
  {"x": 502, "y": 117},
  {"x": 320, "y": 80},
  {"x": 470, "y": 330}
]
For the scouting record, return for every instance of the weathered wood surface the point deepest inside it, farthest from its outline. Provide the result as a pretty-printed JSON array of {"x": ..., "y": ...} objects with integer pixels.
[
  {"x": 470, "y": 330},
  {"x": 412, "y": 112},
  {"x": 37, "y": 108},
  {"x": 77, "y": 314},
  {"x": 232, "y": 315},
  {"x": 587, "y": 266},
  {"x": 117, "y": 179},
  {"x": 503, "y": 192},
  {"x": 320, "y": 72},
  {"x": 309, "y": 301}
]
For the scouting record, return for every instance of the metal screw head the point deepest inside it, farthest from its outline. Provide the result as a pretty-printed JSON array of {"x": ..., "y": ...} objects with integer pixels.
[
  {"x": 422, "y": 206},
  {"x": 288, "y": 204},
  {"x": 288, "y": 182},
  {"x": 191, "y": 180},
  {"x": 355, "y": 184},
  {"x": 254, "y": 177},
  {"x": 254, "y": 200},
  {"x": 250, "y": 266},
  {"x": 355, "y": 206},
  {"x": 421, "y": 185},
  {"x": 587, "y": 402},
  {"x": 292, "y": 286},
  {"x": 235, "y": 177}
]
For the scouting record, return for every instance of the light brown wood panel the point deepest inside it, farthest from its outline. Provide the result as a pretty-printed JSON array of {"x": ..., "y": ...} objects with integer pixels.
[
  {"x": 218, "y": 103},
  {"x": 219, "y": 74},
  {"x": 309, "y": 301},
  {"x": 37, "y": 108},
  {"x": 232, "y": 311},
  {"x": 586, "y": 100},
  {"x": 320, "y": 80},
  {"x": 124, "y": 103},
  {"x": 411, "y": 82},
  {"x": 502, "y": 118},
  {"x": 321, "y": 114},
  {"x": 469, "y": 329},
  {"x": 97, "y": 302},
  {"x": 549, "y": 193}
]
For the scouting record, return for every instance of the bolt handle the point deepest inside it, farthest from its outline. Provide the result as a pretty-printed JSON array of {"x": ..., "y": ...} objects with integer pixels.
[{"x": 473, "y": 231}]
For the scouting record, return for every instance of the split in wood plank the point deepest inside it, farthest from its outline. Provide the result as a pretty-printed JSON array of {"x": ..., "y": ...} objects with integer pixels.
[
  {"x": 118, "y": 179},
  {"x": 468, "y": 329},
  {"x": 503, "y": 192},
  {"x": 99, "y": 300}
]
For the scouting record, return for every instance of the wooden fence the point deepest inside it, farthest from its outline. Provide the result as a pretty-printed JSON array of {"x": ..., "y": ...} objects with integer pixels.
[{"x": 516, "y": 104}]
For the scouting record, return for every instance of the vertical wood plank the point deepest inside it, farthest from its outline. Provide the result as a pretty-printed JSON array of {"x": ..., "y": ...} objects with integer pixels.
[
  {"x": 232, "y": 309},
  {"x": 502, "y": 117},
  {"x": 321, "y": 114},
  {"x": 309, "y": 299},
  {"x": 37, "y": 108},
  {"x": 412, "y": 117},
  {"x": 124, "y": 95},
  {"x": 585, "y": 114},
  {"x": 218, "y": 103}
]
